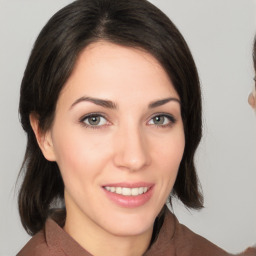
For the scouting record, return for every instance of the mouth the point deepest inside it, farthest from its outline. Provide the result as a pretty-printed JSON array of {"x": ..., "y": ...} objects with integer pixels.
[
  {"x": 129, "y": 195},
  {"x": 125, "y": 191}
]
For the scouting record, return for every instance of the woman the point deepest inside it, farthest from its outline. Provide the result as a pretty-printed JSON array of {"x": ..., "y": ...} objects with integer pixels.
[{"x": 110, "y": 101}]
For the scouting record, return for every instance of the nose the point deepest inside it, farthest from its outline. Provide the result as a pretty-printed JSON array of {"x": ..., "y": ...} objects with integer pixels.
[{"x": 131, "y": 150}]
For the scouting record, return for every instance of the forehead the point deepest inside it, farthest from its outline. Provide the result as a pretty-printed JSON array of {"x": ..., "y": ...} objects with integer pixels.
[{"x": 103, "y": 68}]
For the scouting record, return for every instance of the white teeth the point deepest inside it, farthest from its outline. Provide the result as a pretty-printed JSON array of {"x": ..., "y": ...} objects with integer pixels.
[
  {"x": 135, "y": 191},
  {"x": 127, "y": 191},
  {"x": 118, "y": 190}
]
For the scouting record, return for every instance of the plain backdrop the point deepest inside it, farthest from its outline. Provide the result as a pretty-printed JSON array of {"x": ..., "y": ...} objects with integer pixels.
[{"x": 220, "y": 35}]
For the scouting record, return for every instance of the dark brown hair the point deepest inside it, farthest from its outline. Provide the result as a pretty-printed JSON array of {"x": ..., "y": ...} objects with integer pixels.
[{"x": 133, "y": 23}]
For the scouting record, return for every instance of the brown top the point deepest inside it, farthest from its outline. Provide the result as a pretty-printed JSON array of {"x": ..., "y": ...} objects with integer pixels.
[{"x": 174, "y": 239}]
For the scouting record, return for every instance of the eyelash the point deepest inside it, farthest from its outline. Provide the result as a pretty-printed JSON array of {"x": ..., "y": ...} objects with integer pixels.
[
  {"x": 91, "y": 115},
  {"x": 171, "y": 118}
]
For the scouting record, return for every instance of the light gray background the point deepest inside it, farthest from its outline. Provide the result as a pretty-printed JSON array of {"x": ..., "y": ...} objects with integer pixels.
[{"x": 220, "y": 35}]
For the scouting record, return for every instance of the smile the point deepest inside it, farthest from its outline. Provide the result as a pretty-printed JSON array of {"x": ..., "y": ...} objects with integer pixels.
[
  {"x": 129, "y": 195},
  {"x": 127, "y": 191}
]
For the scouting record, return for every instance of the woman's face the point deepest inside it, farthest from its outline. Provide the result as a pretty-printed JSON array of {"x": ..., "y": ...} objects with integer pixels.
[{"x": 117, "y": 138}]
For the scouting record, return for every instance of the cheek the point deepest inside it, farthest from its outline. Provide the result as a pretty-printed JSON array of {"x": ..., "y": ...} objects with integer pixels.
[
  {"x": 78, "y": 160},
  {"x": 169, "y": 156},
  {"x": 171, "y": 150},
  {"x": 78, "y": 152}
]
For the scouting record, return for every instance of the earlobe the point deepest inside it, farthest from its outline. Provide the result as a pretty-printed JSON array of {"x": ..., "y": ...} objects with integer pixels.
[{"x": 44, "y": 139}]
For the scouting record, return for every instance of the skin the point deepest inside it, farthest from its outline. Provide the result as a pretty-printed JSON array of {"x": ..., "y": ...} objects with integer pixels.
[
  {"x": 252, "y": 97},
  {"x": 128, "y": 144}
]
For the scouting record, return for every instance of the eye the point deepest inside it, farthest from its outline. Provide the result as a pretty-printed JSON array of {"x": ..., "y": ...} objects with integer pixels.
[
  {"x": 162, "y": 120},
  {"x": 94, "y": 120}
]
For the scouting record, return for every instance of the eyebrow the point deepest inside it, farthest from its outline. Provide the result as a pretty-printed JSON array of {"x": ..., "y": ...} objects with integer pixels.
[
  {"x": 161, "y": 102},
  {"x": 111, "y": 105},
  {"x": 100, "y": 102}
]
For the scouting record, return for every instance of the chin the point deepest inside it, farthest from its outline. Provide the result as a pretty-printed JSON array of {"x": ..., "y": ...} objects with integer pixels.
[{"x": 132, "y": 225}]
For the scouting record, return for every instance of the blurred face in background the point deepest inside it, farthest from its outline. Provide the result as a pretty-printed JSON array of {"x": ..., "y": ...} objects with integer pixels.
[{"x": 252, "y": 96}]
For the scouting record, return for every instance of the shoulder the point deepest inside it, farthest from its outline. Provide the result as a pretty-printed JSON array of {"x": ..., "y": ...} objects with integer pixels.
[
  {"x": 189, "y": 243},
  {"x": 199, "y": 245},
  {"x": 187, "y": 240},
  {"x": 46, "y": 242},
  {"x": 176, "y": 239},
  {"x": 251, "y": 251},
  {"x": 36, "y": 246},
  {"x": 52, "y": 241}
]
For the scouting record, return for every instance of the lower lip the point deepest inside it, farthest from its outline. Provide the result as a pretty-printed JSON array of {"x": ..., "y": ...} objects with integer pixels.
[{"x": 130, "y": 201}]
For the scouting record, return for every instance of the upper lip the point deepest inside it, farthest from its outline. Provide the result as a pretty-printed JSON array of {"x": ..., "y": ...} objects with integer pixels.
[{"x": 129, "y": 185}]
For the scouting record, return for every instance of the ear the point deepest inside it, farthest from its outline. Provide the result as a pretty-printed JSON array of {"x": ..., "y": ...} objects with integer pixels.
[{"x": 44, "y": 139}]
